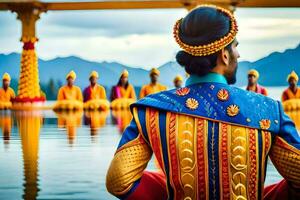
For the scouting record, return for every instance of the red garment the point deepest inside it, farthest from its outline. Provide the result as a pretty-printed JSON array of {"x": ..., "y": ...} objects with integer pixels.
[
  {"x": 281, "y": 191},
  {"x": 259, "y": 89},
  {"x": 151, "y": 187}
]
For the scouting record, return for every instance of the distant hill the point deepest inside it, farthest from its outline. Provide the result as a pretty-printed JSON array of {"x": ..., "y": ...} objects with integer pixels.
[{"x": 273, "y": 69}]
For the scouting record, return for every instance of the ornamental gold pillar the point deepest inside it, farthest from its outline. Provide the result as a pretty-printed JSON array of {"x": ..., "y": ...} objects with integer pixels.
[{"x": 29, "y": 87}]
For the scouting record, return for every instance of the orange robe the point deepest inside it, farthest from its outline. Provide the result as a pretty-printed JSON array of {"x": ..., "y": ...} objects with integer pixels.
[
  {"x": 289, "y": 94},
  {"x": 151, "y": 89},
  {"x": 96, "y": 92},
  {"x": 121, "y": 92},
  {"x": 7, "y": 95},
  {"x": 128, "y": 93},
  {"x": 69, "y": 93}
]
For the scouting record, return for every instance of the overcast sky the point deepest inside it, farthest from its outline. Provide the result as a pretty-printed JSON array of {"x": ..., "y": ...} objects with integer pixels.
[{"x": 143, "y": 38}]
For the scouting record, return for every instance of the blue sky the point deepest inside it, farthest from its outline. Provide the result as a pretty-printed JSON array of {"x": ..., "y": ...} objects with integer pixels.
[{"x": 143, "y": 38}]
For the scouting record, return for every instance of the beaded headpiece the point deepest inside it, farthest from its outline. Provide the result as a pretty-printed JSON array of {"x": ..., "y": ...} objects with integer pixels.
[{"x": 211, "y": 48}]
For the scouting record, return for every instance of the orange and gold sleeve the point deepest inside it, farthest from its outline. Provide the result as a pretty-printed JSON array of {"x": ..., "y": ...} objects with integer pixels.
[
  {"x": 129, "y": 161},
  {"x": 286, "y": 158}
]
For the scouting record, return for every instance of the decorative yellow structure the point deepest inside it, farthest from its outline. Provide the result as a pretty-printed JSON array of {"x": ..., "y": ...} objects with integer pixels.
[{"x": 29, "y": 88}]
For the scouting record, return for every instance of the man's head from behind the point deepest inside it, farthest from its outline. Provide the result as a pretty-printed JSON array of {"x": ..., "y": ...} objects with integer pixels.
[{"x": 207, "y": 38}]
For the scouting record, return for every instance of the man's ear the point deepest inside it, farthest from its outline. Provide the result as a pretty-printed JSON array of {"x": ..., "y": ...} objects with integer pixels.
[{"x": 224, "y": 56}]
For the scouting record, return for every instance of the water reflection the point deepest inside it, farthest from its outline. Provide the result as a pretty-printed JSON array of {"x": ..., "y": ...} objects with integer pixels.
[
  {"x": 39, "y": 156},
  {"x": 29, "y": 125},
  {"x": 6, "y": 123},
  {"x": 121, "y": 118},
  {"x": 95, "y": 120},
  {"x": 69, "y": 120}
]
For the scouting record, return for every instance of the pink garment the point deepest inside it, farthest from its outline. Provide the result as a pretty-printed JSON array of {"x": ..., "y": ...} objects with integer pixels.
[{"x": 118, "y": 92}]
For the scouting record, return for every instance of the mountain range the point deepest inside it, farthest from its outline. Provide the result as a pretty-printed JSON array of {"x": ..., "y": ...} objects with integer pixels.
[{"x": 273, "y": 69}]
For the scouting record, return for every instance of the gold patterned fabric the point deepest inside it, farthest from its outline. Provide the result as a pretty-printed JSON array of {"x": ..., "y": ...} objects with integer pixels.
[
  {"x": 127, "y": 166},
  {"x": 286, "y": 159},
  {"x": 208, "y": 159}
]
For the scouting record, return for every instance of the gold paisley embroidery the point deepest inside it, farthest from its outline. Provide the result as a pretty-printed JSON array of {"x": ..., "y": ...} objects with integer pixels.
[
  {"x": 192, "y": 103},
  {"x": 233, "y": 110},
  {"x": 183, "y": 91},
  {"x": 223, "y": 95},
  {"x": 265, "y": 124}
]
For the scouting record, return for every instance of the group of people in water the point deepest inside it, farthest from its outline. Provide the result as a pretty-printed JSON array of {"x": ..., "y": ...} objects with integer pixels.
[
  {"x": 124, "y": 89},
  {"x": 292, "y": 92}
]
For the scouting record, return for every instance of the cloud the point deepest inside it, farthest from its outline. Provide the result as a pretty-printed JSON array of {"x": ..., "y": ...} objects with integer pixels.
[
  {"x": 110, "y": 23},
  {"x": 144, "y": 37}
]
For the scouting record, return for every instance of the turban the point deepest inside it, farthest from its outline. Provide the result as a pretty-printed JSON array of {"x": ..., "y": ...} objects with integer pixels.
[
  {"x": 94, "y": 74},
  {"x": 293, "y": 75},
  {"x": 178, "y": 78},
  {"x": 72, "y": 75},
  {"x": 125, "y": 73},
  {"x": 253, "y": 72},
  {"x": 154, "y": 71},
  {"x": 6, "y": 76}
]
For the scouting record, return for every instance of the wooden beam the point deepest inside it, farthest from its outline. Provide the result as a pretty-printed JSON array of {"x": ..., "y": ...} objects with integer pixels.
[
  {"x": 142, "y": 4},
  {"x": 104, "y": 5},
  {"x": 269, "y": 3},
  {"x": 113, "y": 4}
]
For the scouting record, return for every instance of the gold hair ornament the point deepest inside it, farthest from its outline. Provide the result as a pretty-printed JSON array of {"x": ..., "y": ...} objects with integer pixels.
[{"x": 208, "y": 49}]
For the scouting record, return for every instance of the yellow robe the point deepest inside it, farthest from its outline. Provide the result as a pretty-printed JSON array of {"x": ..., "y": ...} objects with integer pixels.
[
  {"x": 96, "y": 92},
  {"x": 69, "y": 93},
  {"x": 151, "y": 89},
  {"x": 128, "y": 93},
  {"x": 7, "y": 95}
]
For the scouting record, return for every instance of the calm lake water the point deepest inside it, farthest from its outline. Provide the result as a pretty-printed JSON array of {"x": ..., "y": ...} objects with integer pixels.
[{"x": 65, "y": 155}]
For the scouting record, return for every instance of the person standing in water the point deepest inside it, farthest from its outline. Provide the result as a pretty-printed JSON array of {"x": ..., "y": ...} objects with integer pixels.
[
  {"x": 7, "y": 94},
  {"x": 94, "y": 90},
  {"x": 253, "y": 85},
  {"x": 154, "y": 86},
  {"x": 123, "y": 89},
  {"x": 70, "y": 91},
  {"x": 178, "y": 81},
  {"x": 292, "y": 92}
]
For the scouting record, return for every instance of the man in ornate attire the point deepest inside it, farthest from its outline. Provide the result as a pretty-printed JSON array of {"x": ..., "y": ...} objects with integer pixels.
[
  {"x": 253, "y": 85},
  {"x": 211, "y": 140},
  {"x": 292, "y": 92},
  {"x": 154, "y": 86},
  {"x": 94, "y": 91}
]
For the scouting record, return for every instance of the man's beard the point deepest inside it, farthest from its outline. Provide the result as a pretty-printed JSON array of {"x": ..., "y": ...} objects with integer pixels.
[{"x": 231, "y": 78}]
